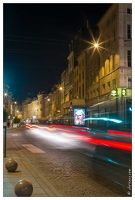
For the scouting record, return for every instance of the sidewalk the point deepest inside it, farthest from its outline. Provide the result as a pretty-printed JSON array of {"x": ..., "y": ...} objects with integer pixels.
[{"x": 25, "y": 171}]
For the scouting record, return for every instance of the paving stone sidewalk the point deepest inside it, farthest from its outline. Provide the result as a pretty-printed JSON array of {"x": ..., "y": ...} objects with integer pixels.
[{"x": 25, "y": 171}]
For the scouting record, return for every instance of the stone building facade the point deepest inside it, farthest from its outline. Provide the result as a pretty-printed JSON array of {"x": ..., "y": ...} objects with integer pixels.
[{"x": 98, "y": 78}]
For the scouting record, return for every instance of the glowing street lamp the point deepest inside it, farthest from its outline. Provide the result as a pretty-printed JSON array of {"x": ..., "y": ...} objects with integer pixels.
[
  {"x": 5, "y": 94},
  {"x": 96, "y": 45},
  {"x": 61, "y": 88}
]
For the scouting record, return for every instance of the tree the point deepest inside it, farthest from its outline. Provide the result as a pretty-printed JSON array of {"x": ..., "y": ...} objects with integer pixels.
[{"x": 16, "y": 120}]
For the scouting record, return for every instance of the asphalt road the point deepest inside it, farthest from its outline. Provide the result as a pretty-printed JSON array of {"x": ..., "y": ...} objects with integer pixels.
[{"x": 65, "y": 166}]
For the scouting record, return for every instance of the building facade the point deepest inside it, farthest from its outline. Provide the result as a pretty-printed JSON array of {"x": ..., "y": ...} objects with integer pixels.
[
  {"x": 98, "y": 78},
  {"x": 115, "y": 68}
]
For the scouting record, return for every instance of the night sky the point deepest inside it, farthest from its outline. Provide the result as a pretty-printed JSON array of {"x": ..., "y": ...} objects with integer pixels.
[{"x": 36, "y": 40}]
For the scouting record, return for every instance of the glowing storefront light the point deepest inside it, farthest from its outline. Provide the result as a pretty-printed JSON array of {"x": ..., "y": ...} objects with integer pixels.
[
  {"x": 123, "y": 92},
  {"x": 113, "y": 93}
]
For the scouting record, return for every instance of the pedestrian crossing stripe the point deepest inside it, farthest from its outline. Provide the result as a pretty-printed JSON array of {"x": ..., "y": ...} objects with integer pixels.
[
  {"x": 14, "y": 134},
  {"x": 32, "y": 148}
]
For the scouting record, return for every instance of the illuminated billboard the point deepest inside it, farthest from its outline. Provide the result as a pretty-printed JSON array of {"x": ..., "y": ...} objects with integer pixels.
[{"x": 79, "y": 116}]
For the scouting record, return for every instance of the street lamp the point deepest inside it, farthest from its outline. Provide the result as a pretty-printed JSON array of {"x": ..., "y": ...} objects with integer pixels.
[
  {"x": 15, "y": 108},
  {"x": 5, "y": 94},
  {"x": 96, "y": 45},
  {"x": 60, "y": 88}
]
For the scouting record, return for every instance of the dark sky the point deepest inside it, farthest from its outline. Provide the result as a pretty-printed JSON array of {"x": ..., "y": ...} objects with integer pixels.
[{"x": 36, "y": 40}]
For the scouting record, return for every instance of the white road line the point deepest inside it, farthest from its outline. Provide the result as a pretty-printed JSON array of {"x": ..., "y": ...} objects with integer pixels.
[
  {"x": 14, "y": 134},
  {"x": 32, "y": 148}
]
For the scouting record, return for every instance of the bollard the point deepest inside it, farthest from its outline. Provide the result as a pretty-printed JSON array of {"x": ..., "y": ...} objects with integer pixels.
[
  {"x": 11, "y": 165},
  {"x": 23, "y": 188}
]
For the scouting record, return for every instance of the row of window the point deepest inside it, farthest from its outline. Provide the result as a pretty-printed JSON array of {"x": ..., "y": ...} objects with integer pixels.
[
  {"x": 112, "y": 38},
  {"x": 109, "y": 85},
  {"x": 95, "y": 92},
  {"x": 112, "y": 86},
  {"x": 109, "y": 65}
]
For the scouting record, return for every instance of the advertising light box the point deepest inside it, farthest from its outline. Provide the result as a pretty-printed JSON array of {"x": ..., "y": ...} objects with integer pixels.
[{"x": 79, "y": 116}]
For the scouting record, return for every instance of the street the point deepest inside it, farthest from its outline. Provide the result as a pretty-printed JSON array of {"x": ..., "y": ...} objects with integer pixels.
[{"x": 65, "y": 166}]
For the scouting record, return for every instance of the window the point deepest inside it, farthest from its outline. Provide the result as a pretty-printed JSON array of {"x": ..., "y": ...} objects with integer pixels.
[
  {"x": 108, "y": 40},
  {"x": 129, "y": 82},
  {"x": 90, "y": 80},
  {"x": 128, "y": 31},
  {"x": 97, "y": 90},
  {"x": 129, "y": 58},
  {"x": 83, "y": 75},
  {"x": 108, "y": 83},
  {"x": 91, "y": 94},
  {"x": 114, "y": 36},
  {"x": 87, "y": 81},
  {"x": 103, "y": 71},
  {"x": 83, "y": 63},
  {"x": 114, "y": 84},
  {"x": 83, "y": 90},
  {"x": 129, "y": 10},
  {"x": 77, "y": 86},
  {"x": 79, "y": 77},
  {"x": 79, "y": 91},
  {"x": 93, "y": 78},
  {"x": 103, "y": 86}
]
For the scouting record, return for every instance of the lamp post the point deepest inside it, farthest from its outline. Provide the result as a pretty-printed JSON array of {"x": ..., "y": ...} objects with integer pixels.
[{"x": 15, "y": 108}]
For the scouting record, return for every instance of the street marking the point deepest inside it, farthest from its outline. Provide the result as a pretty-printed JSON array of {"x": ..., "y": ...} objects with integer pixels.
[
  {"x": 14, "y": 134},
  {"x": 32, "y": 148}
]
